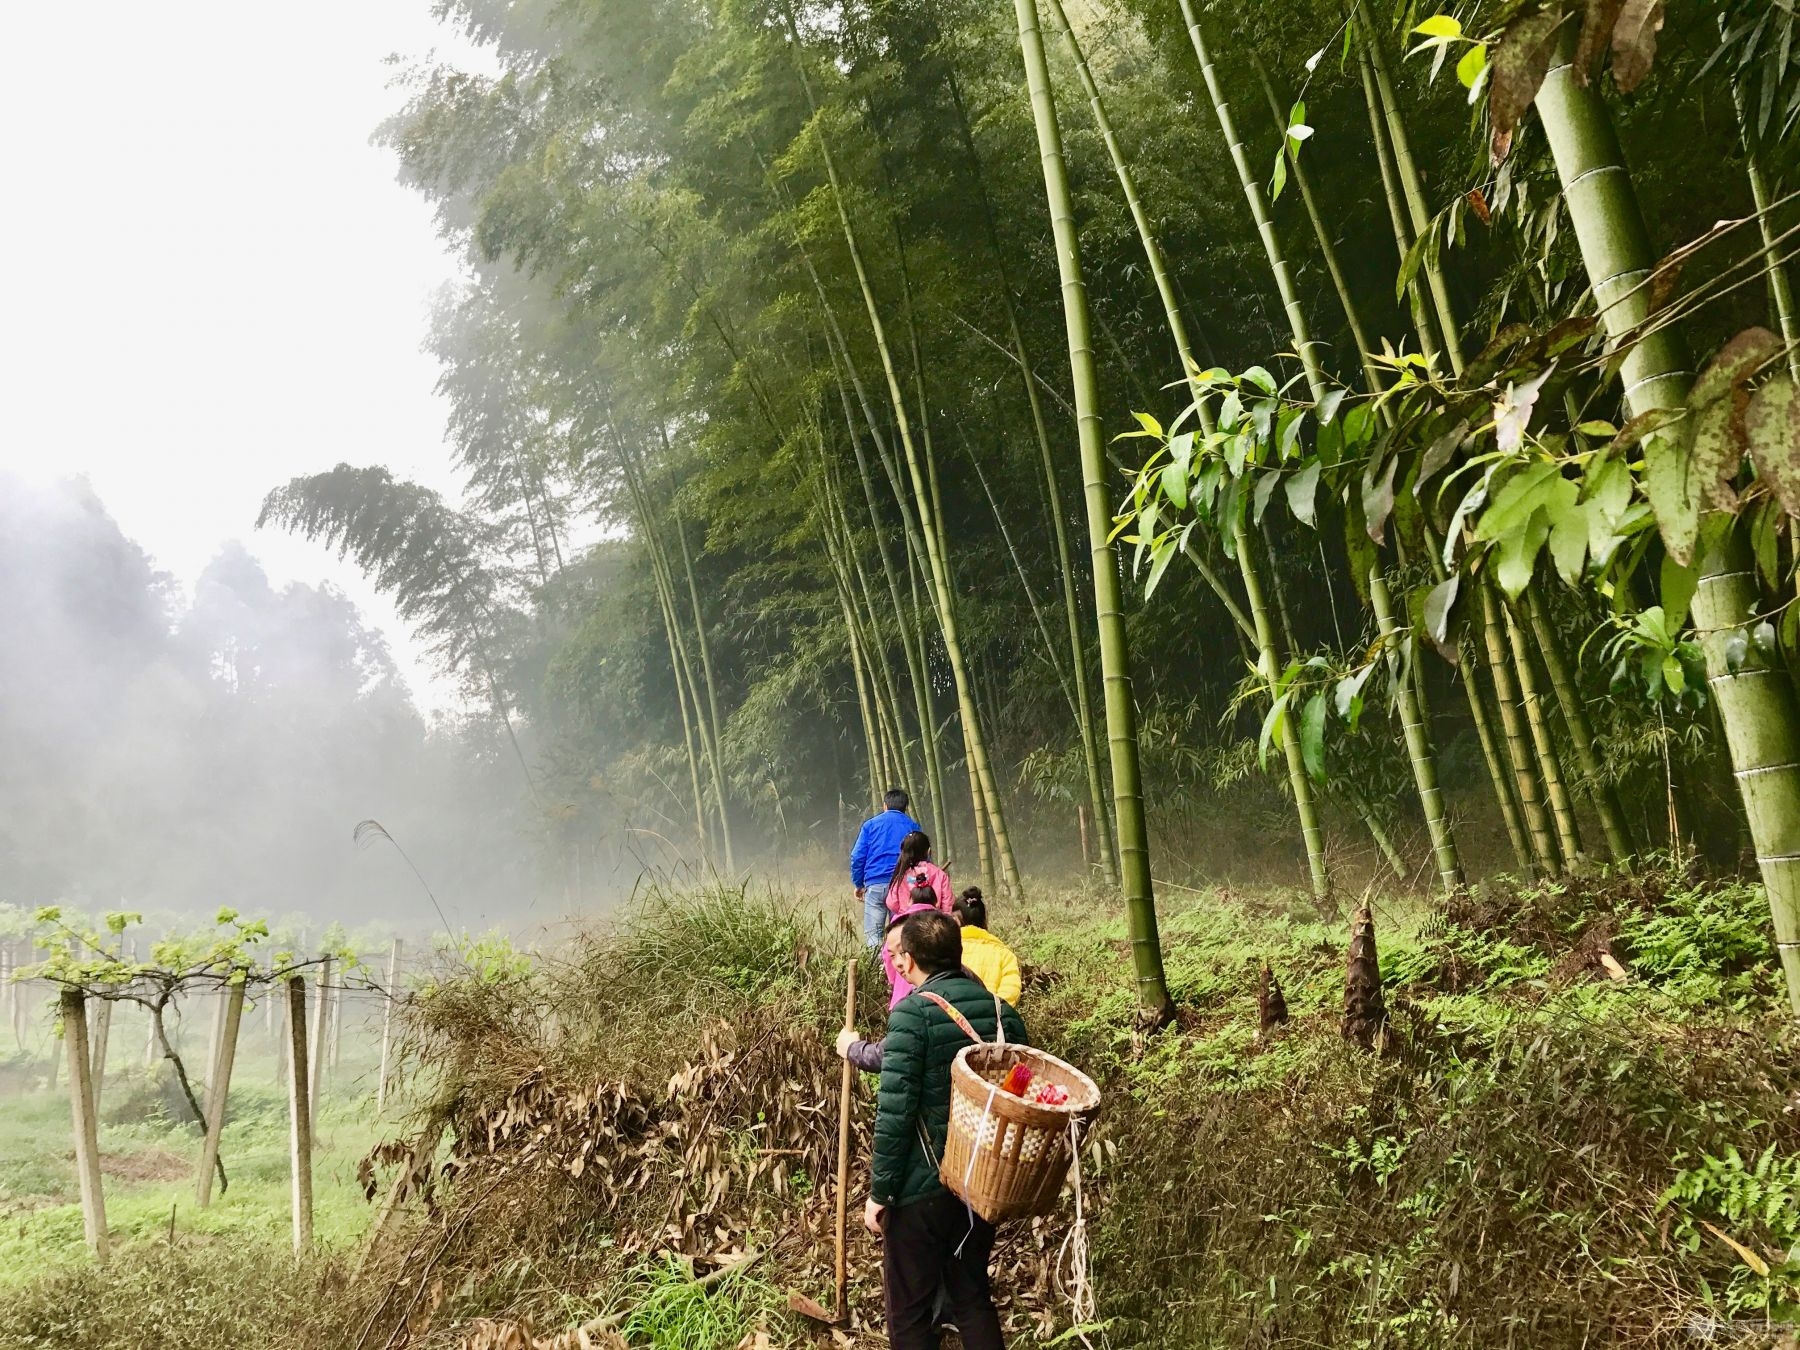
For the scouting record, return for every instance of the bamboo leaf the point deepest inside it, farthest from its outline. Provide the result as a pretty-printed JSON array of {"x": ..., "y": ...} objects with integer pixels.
[
  {"x": 1677, "y": 584},
  {"x": 1644, "y": 425},
  {"x": 1328, "y": 405},
  {"x": 1265, "y": 488},
  {"x": 1570, "y": 531},
  {"x": 1470, "y": 68},
  {"x": 1667, "y": 487},
  {"x": 1409, "y": 265},
  {"x": 1772, "y": 430},
  {"x": 1312, "y": 736},
  {"x": 1634, "y": 42},
  {"x": 1378, "y": 500},
  {"x": 1717, "y": 448},
  {"x": 1439, "y": 26},
  {"x": 1302, "y": 489},
  {"x": 1174, "y": 483},
  {"x": 1160, "y": 557},
  {"x": 1278, "y": 177},
  {"x": 1518, "y": 497},
  {"x": 1736, "y": 362},
  {"x": 1438, "y": 453},
  {"x": 1271, "y": 730},
  {"x": 1518, "y": 551},
  {"x": 1519, "y": 63},
  {"x": 1438, "y": 605},
  {"x": 1597, "y": 20}
]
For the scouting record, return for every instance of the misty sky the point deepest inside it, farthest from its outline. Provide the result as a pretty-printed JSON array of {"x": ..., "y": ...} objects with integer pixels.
[{"x": 213, "y": 282}]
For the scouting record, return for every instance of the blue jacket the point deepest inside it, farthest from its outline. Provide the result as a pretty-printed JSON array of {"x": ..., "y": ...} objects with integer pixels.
[{"x": 877, "y": 850}]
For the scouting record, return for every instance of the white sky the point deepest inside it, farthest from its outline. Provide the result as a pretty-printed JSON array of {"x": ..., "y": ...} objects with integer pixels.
[{"x": 212, "y": 281}]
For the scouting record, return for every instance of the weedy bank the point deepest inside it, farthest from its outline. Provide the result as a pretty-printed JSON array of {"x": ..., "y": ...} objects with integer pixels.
[{"x": 1580, "y": 1128}]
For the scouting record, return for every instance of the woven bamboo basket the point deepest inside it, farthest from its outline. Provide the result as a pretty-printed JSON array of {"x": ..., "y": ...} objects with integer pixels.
[{"x": 1005, "y": 1157}]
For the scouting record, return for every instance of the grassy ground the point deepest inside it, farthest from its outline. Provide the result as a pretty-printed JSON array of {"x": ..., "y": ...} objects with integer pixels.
[
  {"x": 150, "y": 1150},
  {"x": 1547, "y": 1155}
]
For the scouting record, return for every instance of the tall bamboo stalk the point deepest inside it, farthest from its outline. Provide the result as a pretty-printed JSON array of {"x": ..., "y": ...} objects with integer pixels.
[
  {"x": 1568, "y": 696},
  {"x": 1429, "y": 346},
  {"x": 1562, "y": 810},
  {"x": 1781, "y": 291},
  {"x": 917, "y": 469},
  {"x": 911, "y": 635},
  {"x": 1418, "y": 744},
  {"x": 1412, "y": 186},
  {"x": 712, "y": 692},
  {"x": 1756, "y": 700},
  {"x": 1268, "y": 648},
  {"x": 1115, "y": 655},
  {"x": 1084, "y": 710},
  {"x": 1518, "y": 746}
]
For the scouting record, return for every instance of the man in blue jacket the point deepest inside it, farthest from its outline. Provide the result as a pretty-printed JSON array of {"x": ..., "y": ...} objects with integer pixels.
[{"x": 873, "y": 859}]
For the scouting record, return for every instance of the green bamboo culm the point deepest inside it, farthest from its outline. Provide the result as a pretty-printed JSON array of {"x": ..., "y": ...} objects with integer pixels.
[
  {"x": 1781, "y": 291},
  {"x": 1601, "y": 795},
  {"x": 1269, "y": 647},
  {"x": 1418, "y": 746},
  {"x": 980, "y": 770},
  {"x": 1518, "y": 746},
  {"x": 1412, "y": 185},
  {"x": 1493, "y": 755},
  {"x": 712, "y": 695},
  {"x": 1756, "y": 701},
  {"x": 1115, "y": 655},
  {"x": 1065, "y": 573},
  {"x": 1420, "y": 751},
  {"x": 1556, "y": 790}
]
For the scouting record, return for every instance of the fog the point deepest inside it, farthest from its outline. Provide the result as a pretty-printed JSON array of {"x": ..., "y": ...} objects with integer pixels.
[{"x": 173, "y": 752}]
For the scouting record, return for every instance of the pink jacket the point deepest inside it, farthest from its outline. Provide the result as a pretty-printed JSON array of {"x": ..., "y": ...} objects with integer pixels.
[
  {"x": 899, "y": 891},
  {"x": 897, "y": 987}
]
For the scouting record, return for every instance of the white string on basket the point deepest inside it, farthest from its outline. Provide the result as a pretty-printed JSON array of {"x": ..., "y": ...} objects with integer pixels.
[{"x": 1072, "y": 1259}]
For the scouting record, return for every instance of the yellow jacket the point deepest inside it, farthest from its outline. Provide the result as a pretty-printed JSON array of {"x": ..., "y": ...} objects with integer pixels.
[{"x": 992, "y": 962}]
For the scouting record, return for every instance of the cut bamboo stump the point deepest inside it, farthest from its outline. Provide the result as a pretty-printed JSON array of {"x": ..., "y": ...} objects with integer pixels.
[
  {"x": 387, "y": 1024},
  {"x": 87, "y": 1134},
  {"x": 319, "y": 1046},
  {"x": 219, "y": 1093},
  {"x": 299, "y": 1116}
]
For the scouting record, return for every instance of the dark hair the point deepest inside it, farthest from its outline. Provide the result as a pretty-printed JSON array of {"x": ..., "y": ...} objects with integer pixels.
[
  {"x": 923, "y": 895},
  {"x": 970, "y": 908},
  {"x": 914, "y": 849},
  {"x": 933, "y": 941},
  {"x": 896, "y": 799}
]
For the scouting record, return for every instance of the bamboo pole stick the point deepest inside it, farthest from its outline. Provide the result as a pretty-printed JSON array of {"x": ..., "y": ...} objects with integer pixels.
[
  {"x": 87, "y": 1135},
  {"x": 318, "y": 1046},
  {"x": 220, "y": 1092},
  {"x": 387, "y": 1024},
  {"x": 299, "y": 1116}
]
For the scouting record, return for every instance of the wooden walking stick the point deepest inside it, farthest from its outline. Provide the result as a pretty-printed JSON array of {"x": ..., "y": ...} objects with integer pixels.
[{"x": 840, "y": 1307}]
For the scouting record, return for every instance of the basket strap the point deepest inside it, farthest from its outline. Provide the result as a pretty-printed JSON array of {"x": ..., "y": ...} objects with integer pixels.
[{"x": 956, "y": 1016}]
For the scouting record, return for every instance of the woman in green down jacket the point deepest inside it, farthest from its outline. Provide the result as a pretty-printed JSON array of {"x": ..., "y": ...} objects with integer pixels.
[{"x": 930, "y": 1239}]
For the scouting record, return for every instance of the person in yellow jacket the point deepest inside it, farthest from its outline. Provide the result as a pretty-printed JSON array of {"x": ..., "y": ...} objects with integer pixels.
[{"x": 986, "y": 956}]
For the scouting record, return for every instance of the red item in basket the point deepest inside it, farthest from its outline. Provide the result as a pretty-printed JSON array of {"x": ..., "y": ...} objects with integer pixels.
[
  {"x": 1018, "y": 1080},
  {"x": 1053, "y": 1094}
]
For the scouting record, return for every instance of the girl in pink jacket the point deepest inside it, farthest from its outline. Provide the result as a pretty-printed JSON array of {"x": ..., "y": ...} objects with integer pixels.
[{"x": 915, "y": 868}]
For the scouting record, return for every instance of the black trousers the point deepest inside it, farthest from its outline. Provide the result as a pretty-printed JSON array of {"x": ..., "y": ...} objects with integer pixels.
[{"x": 920, "y": 1245}]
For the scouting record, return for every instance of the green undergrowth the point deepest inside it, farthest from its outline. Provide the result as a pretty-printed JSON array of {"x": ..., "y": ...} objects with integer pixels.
[{"x": 1584, "y": 1129}]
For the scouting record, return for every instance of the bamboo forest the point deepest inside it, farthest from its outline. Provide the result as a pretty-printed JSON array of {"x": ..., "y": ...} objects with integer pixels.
[{"x": 1292, "y": 509}]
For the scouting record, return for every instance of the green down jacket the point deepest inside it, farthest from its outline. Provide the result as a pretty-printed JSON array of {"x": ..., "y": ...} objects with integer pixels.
[{"x": 921, "y": 1043}]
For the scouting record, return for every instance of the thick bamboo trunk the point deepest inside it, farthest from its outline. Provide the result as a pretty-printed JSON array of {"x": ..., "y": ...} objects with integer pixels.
[
  {"x": 1115, "y": 657},
  {"x": 1756, "y": 701}
]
